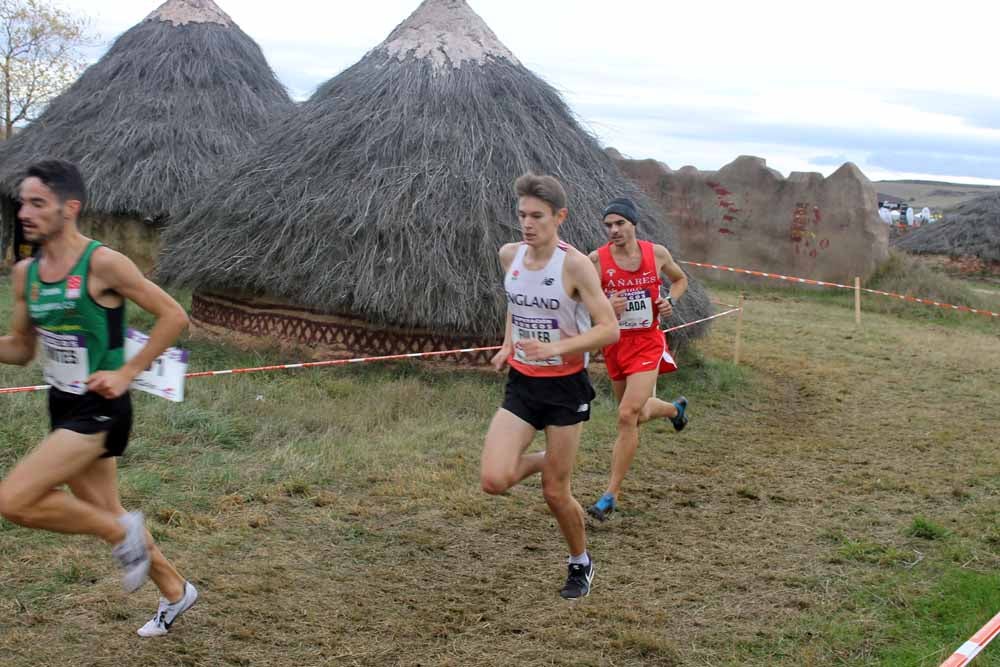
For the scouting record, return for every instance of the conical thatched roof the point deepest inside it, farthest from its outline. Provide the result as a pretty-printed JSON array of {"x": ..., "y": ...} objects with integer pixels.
[
  {"x": 971, "y": 229},
  {"x": 388, "y": 194},
  {"x": 174, "y": 97}
]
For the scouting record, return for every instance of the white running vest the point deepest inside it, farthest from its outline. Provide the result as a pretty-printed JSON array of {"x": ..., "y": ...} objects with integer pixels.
[{"x": 541, "y": 309}]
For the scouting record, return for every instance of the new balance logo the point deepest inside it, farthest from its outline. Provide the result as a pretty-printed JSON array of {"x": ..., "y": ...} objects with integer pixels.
[{"x": 548, "y": 282}]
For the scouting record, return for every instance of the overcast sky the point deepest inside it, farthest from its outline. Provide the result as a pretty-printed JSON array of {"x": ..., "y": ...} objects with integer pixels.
[{"x": 902, "y": 89}]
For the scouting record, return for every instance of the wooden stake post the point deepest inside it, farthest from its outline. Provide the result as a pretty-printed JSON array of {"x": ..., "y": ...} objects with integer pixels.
[
  {"x": 857, "y": 301},
  {"x": 739, "y": 332}
]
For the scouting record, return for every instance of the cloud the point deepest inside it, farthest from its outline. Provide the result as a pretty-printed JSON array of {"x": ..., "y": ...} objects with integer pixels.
[
  {"x": 981, "y": 111},
  {"x": 976, "y": 166},
  {"x": 829, "y": 160},
  {"x": 906, "y": 149},
  {"x": 700, "y": 83}
]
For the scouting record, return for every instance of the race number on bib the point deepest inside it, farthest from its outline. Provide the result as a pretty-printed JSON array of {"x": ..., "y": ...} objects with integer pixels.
[
  {"x": 542, "y": 329},
  {"x": 165, "y": 376},
  {"x": 65, "y": 366},
  {"x": 638, "y": 312}
]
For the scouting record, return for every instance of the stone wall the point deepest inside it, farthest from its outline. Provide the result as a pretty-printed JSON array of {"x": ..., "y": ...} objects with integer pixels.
[{"x": 747, "y": 215}]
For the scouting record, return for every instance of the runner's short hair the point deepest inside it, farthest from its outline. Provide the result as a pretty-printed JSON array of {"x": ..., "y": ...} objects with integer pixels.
[
  {"x": 60, "y": 176},
  {"x": 544, "y": 187}
]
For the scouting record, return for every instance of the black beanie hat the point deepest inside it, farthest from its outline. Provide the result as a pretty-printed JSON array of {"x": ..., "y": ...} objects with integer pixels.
[{"x": 624, "y": 207}]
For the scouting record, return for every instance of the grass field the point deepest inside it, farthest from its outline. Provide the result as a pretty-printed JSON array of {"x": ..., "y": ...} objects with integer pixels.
[{"x": 834, "y": 501}]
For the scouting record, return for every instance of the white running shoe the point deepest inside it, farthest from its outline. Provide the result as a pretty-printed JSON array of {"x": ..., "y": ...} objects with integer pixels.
[
  {"x": 132, "y": 553},
  {"x": 167, "y": 613}
]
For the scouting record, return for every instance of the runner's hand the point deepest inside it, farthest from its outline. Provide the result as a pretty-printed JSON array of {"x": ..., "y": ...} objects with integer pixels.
[
  {"x": 664, "y": 307},
  {"x": 501, "y": 358},
  {"x": 109, "y": 384},
  {"x": 535, "y": 350},
  {"x": 618, "y": 303}
]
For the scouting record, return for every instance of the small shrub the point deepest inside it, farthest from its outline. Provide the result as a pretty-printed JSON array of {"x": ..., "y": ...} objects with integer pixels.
[{"x": 926, "y": 529}]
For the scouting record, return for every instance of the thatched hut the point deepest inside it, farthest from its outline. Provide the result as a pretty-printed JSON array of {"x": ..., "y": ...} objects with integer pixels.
[
  {"x": 370, "y": 222},
  {"x": 174, "y": 98},
  {"x": 971, "y": 229}
]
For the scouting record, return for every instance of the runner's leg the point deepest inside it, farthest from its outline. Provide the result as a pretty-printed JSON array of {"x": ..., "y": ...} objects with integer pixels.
[
  {"x": 29, "y": 495},
  {"x": 504, "y": 463},
  {"x": 98, "y": 486},
  {"x": 638, "y": 390},
  {"x": 562, "y": 443},
  {"x": 654, "y": 408}
]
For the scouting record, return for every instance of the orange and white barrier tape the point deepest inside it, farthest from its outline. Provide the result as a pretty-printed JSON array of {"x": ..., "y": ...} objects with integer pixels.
[
  {"x": 725, "y": 305},
  {"x": 283, "y": 367},
  {"x": 358, "y": 360},
  {"x": 928, "y": 302},
  {"x": 734, "y": 309},
  {"x": 763, "y": 274},
  {"x": 22, "y": 390},
  {"x": 822, "y": 283},
  {"x": 970, "y": 649}
]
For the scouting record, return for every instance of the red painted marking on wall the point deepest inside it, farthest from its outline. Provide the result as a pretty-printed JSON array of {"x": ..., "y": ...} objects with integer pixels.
[
  {"x": 723, "y": 230},
  {"x": 719, "y": 190},
  {"x": 728, "y": 218},
  {"x": 798, "y": 227}
]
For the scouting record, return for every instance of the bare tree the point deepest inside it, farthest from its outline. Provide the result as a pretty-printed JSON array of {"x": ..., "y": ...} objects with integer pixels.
[{"x": 39, "y": 57}]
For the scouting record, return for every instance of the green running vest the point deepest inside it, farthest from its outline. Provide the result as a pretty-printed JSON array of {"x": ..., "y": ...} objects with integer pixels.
[{"x": 78, "y": 335}]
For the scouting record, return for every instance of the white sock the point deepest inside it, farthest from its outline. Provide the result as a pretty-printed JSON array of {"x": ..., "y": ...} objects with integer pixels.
[{"x": 582, "y": 559}]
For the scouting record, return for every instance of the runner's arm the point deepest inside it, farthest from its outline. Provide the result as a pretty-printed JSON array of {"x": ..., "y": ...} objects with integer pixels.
[
  {"x": 19, "y": 347},
  {"x": 666, "y": 265},
  {"x": 118, "y": 273},
  {"x": 507, "y": 253},
  {"x": 604, "y": 328}
]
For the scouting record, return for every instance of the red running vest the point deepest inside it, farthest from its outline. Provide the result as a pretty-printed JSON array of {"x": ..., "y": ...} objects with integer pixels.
[{"x": 640, "y": 287}]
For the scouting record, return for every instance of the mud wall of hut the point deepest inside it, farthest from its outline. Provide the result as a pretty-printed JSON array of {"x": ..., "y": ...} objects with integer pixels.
[
  {"x": 131, "y": 236},
  {"x": 254, "y": 322}
]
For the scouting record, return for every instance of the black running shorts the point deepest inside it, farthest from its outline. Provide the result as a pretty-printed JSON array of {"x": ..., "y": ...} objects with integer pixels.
[
  {"x": 90, "y": 413},
  {"x": 549, "y": 401}
]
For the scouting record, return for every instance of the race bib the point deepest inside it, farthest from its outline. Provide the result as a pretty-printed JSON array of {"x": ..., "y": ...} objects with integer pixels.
[
  {"x": 165, "y": 376},
  {"x": 542, "y": 329},
  {"x": 638, "y": 313},
  {"x": 65, "y": 366}
]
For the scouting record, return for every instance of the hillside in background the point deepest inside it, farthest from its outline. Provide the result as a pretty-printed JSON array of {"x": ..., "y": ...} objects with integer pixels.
[{"x": 935, "y": 195}]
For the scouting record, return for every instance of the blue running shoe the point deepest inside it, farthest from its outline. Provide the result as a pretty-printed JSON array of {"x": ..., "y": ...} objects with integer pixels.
[
  {"x": 603, "y": 508},
  {"x": 681, "y": 420}
]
